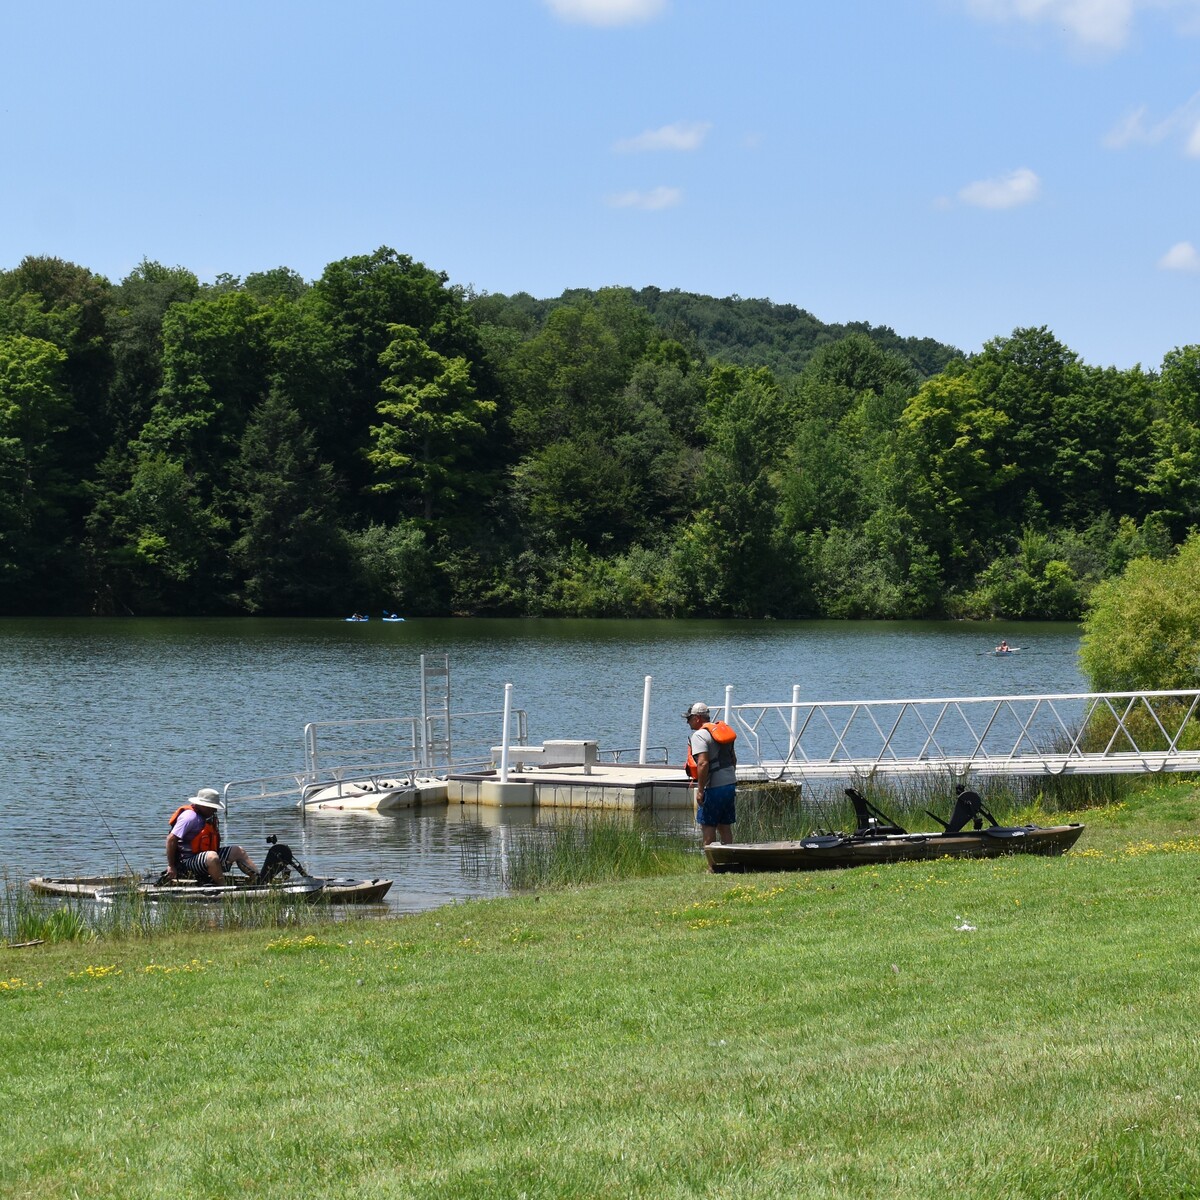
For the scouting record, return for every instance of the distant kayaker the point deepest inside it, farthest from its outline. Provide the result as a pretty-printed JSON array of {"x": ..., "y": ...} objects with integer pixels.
[
  {"x": 712, "y": 763},
  {"x": 194, "y": 849},
  {"x": 1002, "y": 648}
]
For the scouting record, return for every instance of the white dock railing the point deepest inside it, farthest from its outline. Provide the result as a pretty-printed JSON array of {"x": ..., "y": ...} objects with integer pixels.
[
  {"x": 1063, "y": 734},
  {"x": 396, "y": 746}
]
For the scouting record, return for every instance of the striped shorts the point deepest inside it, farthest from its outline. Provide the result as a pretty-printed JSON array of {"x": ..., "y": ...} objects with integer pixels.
[{"x": 191, "y": 866}]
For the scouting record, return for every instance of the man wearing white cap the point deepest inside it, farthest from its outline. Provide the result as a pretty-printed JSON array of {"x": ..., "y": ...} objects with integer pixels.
[
  {"x": 712, "y": 763},
  {"x": 194, "y": 847}
]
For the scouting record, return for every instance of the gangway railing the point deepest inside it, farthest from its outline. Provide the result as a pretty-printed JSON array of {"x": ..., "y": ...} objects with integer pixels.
[
  {"x": 1058, "y": 734},
  {"x": 396, "y": 746},
  {"x": 267, "y": 787},
  {"x": 646, "y": 755},
  {"x": 379, "y": 745}
]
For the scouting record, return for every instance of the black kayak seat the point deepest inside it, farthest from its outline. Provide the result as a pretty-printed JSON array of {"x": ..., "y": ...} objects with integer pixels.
[
  {"x": 869, "y": 818},
  {"x": 968, "y": 807}
]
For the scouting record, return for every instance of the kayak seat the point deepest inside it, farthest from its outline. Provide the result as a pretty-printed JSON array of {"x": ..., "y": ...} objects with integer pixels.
[{"x": 968, "y": 806}]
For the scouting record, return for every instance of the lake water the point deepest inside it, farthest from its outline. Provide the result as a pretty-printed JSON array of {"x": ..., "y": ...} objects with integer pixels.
[{"x": 107, "y": 725}]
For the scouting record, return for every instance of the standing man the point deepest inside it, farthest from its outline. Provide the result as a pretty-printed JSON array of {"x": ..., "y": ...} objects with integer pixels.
[{"x": 712, "y": 763}]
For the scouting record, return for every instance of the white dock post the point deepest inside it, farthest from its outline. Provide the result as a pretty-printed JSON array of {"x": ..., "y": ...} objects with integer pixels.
[
  {"x": 499, "y": 792},
  {"x": 795, "y": 717},
  {"x": 645, "y": 722},
  {"x": 728, "y": 701},
  {"x": 504, "y": 733}
]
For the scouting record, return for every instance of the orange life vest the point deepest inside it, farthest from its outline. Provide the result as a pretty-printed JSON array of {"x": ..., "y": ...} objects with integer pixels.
[
  {"x": 209, "y": 838},
  {"x": 724, "y": 735}
]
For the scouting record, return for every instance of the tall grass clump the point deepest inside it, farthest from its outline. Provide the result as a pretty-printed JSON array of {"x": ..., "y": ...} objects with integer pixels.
[
  {"x": 25, "y": 918},
  {"x": 595, "y": 849},
  {"x": 128, "y": 915},
  {"x": 786, "y": 811}
]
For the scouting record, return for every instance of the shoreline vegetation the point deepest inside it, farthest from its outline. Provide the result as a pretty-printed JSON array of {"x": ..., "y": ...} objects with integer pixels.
[
  {"x": 1014, "y": 1027},
  {"x": 571, "y": 848},
  {"x": 382, "y": 439}
]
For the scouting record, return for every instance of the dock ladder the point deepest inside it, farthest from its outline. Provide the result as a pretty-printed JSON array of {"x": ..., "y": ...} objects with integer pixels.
[{"x": 435, "y": 711}]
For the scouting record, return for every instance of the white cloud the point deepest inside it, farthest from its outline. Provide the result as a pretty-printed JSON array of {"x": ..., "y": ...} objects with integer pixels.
[
  {"x": 1008, "y": 191},
  {"x": 1182, "y": 256},
  {"x": 1134, "y": 129},
  {"x": 607, "y": 12},
  {"x": 1095, "y": 24},
  {"x": 651, "y": 201},
  {"x": 1129, "y": 130},
  {"x": 683, "y": 135}
]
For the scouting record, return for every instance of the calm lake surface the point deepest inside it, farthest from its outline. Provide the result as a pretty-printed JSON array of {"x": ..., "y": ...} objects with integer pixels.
[{"x": 106, "y": 726}]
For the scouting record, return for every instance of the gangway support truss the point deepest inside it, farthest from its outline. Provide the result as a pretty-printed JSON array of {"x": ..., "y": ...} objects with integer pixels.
[{"x": 1088, "y": 733}]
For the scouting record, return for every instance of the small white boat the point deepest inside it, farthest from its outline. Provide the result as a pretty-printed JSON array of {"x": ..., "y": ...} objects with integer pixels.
[
  {"x": 374, "y": 794},
  {"x": 363, "y": 795}
]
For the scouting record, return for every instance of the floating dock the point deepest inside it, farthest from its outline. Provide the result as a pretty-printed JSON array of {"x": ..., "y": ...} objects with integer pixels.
[{"x": 616, "y": 787}]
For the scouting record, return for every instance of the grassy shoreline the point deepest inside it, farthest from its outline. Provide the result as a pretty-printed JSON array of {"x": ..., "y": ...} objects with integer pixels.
[{"x": 1019, "y": 1027}]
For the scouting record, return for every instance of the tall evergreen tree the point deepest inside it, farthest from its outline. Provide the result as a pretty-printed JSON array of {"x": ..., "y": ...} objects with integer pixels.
[{"x": 290, "y": 555}]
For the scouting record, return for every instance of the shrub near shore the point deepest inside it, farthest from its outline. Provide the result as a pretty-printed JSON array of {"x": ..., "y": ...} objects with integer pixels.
[{"x": 1019, "y": 1027}]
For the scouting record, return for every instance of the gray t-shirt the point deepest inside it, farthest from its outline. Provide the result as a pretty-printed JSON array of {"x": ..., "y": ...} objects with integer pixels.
[{"x": 703, "y": 742}]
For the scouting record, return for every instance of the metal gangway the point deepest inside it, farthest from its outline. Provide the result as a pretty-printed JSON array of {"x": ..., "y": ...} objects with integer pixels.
[
  {"x": 1089, "y": 733},
  {"x": 381, "y": 750}
]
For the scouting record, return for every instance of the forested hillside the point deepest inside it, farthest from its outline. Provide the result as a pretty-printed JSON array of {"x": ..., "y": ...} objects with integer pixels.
[
  {"x": 747, "y": 333},
  {"x": 382, "y": 438}
]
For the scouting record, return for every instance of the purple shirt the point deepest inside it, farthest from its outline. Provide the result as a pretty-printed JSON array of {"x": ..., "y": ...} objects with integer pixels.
[{"x": 187, "y": 827}]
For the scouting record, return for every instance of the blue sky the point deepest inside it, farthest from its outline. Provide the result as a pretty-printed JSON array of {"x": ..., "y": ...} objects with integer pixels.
[{"x": 952, "y": 168}]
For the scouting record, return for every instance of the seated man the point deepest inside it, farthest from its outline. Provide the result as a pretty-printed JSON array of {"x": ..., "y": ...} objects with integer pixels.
[{"x": 194, "y": 847}]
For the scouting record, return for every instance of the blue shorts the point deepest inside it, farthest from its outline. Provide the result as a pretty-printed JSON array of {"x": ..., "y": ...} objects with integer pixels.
[{"x": 718, "y": 806}]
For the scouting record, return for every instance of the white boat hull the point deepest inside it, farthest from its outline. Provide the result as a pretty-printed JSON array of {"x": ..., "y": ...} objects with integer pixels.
[{"x": 384, "y": 795}]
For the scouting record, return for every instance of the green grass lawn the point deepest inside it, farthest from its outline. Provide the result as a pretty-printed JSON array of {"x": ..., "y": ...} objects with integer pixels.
[{"x": 1013, "y": 1028}]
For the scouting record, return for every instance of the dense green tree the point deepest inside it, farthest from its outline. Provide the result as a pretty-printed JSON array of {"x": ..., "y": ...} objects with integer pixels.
[
  {"x": 851, "y": 578},
  {"x": 431, "y": 421},
  {"x": 359, "y": 299},
  {"x": 1172, "y": 484},
  {"x": 855, "y": 364},
  {"x": 953, "y": 470},
  {"x": 396, "y": 569},
  {"x": 1035, "y": 583},
  {"x": 68, "y": 305},
  {"x": 216, "y": 370},
  {"x": 280, "y": 283},
  {"x": 139, "y": 306},
  {"x": 603, "y": 464},
  {"x": 1100, "y": 437},
  {"x": 290, "y": 554},
  {"x": 576, "y": 490},
  {"x": 844, "y": 411},
  {"x": 730, "y": 556},
  {"x": 72, "y": 306},
  {"x": 164, "y": 548},
  {"x": 1142, "y": 630},
  {"x": 35, "y": 490},
  {"x": 1030, "y": 378},
  {"x": 568, "y": 379}
]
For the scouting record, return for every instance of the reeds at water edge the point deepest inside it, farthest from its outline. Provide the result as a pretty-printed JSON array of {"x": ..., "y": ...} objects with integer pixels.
[{"x": 25, "y": 917}]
